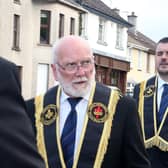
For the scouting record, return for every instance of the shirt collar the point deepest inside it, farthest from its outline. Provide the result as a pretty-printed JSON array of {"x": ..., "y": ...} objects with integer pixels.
[
  {"x": 64, "y": 96},
  {"x": 161, "y": 82}
]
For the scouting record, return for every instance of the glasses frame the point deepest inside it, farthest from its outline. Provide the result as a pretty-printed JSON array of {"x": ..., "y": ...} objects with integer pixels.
[{"x": 85, "y": 64}]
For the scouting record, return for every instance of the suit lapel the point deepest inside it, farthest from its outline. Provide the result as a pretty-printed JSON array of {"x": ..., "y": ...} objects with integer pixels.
[
  {"x": 94, "y": 143},
  {"x": 51, "y": 138}
]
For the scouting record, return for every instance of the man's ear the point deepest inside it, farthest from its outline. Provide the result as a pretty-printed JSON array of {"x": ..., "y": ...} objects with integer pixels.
[{"x": 53, "y": 66}]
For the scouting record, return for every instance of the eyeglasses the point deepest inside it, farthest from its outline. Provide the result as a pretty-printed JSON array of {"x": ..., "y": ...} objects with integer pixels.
[{"x": 73, "y": 66}]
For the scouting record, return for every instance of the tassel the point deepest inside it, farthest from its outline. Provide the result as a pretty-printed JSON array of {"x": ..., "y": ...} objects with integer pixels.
[{"x": 114, "y": 97}]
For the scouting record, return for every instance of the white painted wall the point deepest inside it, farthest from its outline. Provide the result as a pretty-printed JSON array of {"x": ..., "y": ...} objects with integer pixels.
[
  {"x": 23, "y": 57},
  {"x": 32, "y": 53},
  {"x": 110, "y": 50}
]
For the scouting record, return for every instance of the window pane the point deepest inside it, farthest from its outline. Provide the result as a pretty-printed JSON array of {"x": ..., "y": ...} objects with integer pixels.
[
  {"x": 139, "y": 60},
  {"x": 61, "y": 25},
  {"x": 114, "y": 77},
  {"x": 101, "y": 34},
  {"x": 16, "y": 31},
  {"x": 44, "y": 35},
  {"x": 119, "y": 38},
  {"x": 72, "y": 26},
  {"x": 42, "y": 78},
  {"x": 45, "y": 27},
  {"x": 83, "y": 20}
]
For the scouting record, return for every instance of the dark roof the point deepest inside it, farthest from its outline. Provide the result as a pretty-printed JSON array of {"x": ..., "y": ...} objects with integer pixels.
[
  {"x": 74, "y": 2},
  {"x": 99, "y": 8},
  {"x": 140, "y": 39}
]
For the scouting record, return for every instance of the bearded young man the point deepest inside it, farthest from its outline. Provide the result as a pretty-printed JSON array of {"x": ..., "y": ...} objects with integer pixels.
[
  {"x": 101, "y": 130},
  {"x": 152, "y": 98}
]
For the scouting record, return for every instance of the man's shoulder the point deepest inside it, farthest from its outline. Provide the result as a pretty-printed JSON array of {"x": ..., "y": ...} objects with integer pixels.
[
  {"x": 50, "y": 91},
  {"x": 126, "y": 100},
  {"x": 151, "y": 79},
  {"x": 126, "y": 105},
  {"x": 104, "y": 87},
  {"x": 5, "y": 62}
]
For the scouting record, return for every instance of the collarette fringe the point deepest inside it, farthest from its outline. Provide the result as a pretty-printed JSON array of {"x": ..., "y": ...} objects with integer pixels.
[{"x": 114, "y": 97}]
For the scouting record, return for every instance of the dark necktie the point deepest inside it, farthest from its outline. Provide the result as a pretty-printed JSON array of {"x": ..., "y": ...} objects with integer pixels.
[
  {"x": 69, "y": 133},
  {"x": 164, "y": 102}
]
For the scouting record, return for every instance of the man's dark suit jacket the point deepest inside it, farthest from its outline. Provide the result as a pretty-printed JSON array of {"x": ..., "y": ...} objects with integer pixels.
[
  {"x": 158, "y": 157},
  {"x": 17, "y": 140},
  {"x": 125, "y": 146}
]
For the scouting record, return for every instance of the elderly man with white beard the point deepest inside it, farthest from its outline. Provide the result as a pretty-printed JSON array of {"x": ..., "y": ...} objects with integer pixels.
[{"x": 81, "y": 123}]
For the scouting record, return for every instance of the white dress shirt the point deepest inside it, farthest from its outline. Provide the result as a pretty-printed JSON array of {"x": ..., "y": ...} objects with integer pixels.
[
  {"x": 160, "y": 88},
  {"x": 65, "y": 109}
]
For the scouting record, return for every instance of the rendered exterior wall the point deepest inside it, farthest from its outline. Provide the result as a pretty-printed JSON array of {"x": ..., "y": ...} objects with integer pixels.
[{"x": 31, "y": 51}]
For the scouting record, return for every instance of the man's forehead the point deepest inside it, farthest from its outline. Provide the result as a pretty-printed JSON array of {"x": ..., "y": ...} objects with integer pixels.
[{"x": 163, "y": 46}]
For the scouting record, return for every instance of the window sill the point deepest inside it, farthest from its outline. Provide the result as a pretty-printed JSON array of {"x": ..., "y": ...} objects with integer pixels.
[
  {"x": 84, "y": 36},
  {"x": 102, "y": 43},
  {"x": 45, "y": 45},
  {"x": 119, "y": 47},
  {"x": 16, "y": 48},
  {"x": 17, "y": 2}
]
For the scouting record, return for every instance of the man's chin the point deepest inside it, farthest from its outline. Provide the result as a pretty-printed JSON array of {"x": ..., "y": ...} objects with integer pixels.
[
  {"x": 163, "y": 72},
  {"x": 76, "y": 91},
  {"x": 81, "y": 90}
]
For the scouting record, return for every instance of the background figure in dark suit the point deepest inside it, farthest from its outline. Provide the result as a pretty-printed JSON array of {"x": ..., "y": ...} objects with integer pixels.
[
  {"x": 104, "y": 129},
  {"x": 152, "y": 98},
  {"x": 17, "y": 140}
]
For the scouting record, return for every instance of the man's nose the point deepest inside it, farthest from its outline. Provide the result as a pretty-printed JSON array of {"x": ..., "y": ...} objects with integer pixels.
[{"x": 80, "y": 71}]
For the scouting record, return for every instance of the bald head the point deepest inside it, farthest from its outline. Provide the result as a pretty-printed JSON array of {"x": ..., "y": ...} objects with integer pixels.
[{"x": 69, "y": 45}]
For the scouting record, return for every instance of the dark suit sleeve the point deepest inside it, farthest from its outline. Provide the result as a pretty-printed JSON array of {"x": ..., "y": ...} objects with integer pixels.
[
  {"x": 136, "y": 92},
  {"x": 17, "y": 140},
  {"x": 30, "y": 109},
  {"x": 134, "y": 150}
]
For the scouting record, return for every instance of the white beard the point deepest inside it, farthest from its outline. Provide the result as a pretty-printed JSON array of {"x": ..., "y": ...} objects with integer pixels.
[{"x": 79, "y": 91}]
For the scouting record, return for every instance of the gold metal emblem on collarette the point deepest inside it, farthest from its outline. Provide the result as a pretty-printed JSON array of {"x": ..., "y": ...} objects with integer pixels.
[
  {"x": 49, "y": 114},
  {"x": 149, "y": 91},
  {"x": 98, "y": 112}
]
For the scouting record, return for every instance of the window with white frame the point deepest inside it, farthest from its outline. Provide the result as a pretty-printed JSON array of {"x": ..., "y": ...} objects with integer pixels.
[
  {"x": 72, "y": 25},
  {"x": 130, "y": 56},
  {"x": 16, "y": 1},
  {"x": 119, "y": 38},
  {"x": 45, "y": 27},
  {"x": 83, "y": 20},
  {"x": 148, "y": 60},
  {"x": 16, "y": 32},
  {"x": 115, "y": 76},
  {"x": 101, "y": 35},
  {"x": 61, "y": 25},
  {"x": 42, "y": 78},
  {"x": 139, "y": 60}
]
